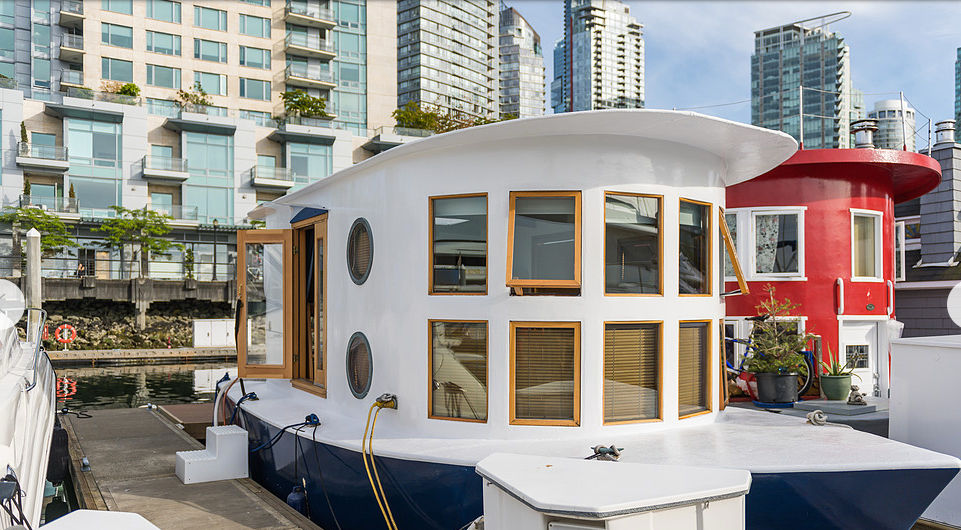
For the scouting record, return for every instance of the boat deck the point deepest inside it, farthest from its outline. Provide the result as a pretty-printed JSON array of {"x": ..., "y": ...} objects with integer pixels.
[{"x": 131, "y": 454}]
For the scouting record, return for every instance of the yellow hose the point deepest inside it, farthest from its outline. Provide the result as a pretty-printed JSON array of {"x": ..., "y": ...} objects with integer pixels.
[
  {"x": 373, "y": 464},
  {"x": 363, "y": 446}
]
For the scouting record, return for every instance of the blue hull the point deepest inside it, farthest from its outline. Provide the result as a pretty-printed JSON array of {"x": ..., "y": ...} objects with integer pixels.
[{"x": 447, "y": 497}]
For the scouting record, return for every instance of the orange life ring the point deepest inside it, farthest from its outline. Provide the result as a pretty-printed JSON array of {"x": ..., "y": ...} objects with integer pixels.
[{"x": 67, "y": 338}]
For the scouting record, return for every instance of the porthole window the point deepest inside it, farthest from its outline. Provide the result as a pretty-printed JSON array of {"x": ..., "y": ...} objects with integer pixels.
[
  {"x": 360, "y": 251},
  {"x": 360, "y": 365}
]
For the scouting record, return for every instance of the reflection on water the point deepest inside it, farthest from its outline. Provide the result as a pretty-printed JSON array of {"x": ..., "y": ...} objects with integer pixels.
[{"x": 133, "y": 386}]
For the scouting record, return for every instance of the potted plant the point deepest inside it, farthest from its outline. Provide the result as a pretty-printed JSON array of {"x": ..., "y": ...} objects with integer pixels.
[
  {"x": 836, "y": 379},
  {"x": 777, "y": 343}
]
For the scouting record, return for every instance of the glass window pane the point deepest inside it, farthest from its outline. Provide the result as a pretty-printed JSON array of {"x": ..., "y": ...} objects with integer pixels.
[
  {"x": 209, "y": 50},
  {"x": 115, "y": 35},
  {"x": 458, "y": 367},
  {"x": 544, "y": 372},
  {"x": 7, "y": 46},
  {"x": 631, "y": 372},
  {"x": 776, "y": 249},
  {"x": 865, "y": 246},
  {"x": 632, "y": 244},
  {"x": 459, "y": 244},
  {"x": 731, "y": 220},
  {"x": 694, "y": 368},
  {"x": 215, "y": 84},
  {"x": 117, "y": 6},
  {"x": 254, "y": 89},
  {"x": 694, "y": 256},
  {"x": 163, "y": 10},
  {"x": 544, "y": 237},
  {"x": 264, "y": 291},
  {"x": 41, "y": 73}
]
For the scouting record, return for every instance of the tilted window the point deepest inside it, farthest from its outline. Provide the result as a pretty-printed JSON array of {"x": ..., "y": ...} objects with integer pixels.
[
  {"x": 458, "y": 370},
  {"x": 632, "y": 244},
  {"x": 632, "y": 358},
  {"x": 545, "y": 373},
  {"x": 458, "y": 238},
  {"x": 694, "y": 368},
  {"x": 544, "y": 240},
  {"x": 694, "y": 267}
]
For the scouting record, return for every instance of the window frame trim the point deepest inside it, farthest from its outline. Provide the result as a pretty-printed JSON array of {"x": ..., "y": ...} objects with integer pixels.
[
  {"x": 878, "y": 245},
  {"x": 900, "y": 256},
  {"x": 752, "y": 254},
  {"x": 730, "y": 247},
  {"x": 430, "y": 243},
  {"x": 660, "y": 243},
  {"x": 660, "y": 373},
  {"x": 319, "y": 224},
  {"x": 709, "y": 391},
  {"x": 578, "y": 241},
  {"x": 430, "y": 368},
  {"x": 709, "y": 280},
  {"x": 576, "y": 326}
]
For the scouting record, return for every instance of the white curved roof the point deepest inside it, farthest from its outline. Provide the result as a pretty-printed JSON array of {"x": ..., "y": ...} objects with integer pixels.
[{"x": 747, "y": 151}]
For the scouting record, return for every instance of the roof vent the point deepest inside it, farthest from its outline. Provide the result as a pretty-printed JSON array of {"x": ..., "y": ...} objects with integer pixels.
[
  {"x": 944, "y": 132},
  {"x": 864, "y": 133}
]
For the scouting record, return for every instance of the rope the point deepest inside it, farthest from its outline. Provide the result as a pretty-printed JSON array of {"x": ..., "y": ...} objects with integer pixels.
[
  {"x": 817, "y": 417},
  {"x": 251, "y": 395},
  {"x": 320, "y": 474}
]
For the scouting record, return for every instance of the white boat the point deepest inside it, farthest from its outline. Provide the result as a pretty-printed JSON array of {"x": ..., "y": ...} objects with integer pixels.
[{"x": 539, "y": 286}]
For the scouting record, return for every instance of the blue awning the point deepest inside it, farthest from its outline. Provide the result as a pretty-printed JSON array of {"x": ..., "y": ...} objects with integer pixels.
[{"x": 307, "y": 213}]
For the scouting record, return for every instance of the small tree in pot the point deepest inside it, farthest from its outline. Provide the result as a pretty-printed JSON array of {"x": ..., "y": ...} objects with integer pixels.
[{"x": 777, "y": 344}]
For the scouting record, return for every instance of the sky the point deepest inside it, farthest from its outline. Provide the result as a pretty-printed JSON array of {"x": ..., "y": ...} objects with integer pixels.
[{"x": 699, "y": 53}]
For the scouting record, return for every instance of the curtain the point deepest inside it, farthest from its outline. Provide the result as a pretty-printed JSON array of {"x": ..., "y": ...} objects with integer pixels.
[
  {"x": 631, "y": 371},
  {"x": 777, "y": 243},
  {"x": 864, "y": 246}
]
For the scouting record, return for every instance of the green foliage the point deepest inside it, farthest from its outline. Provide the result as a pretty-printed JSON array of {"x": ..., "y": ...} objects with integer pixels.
[
  {"x": 145, "y": 229},
  {"x": 54, "y": 237},
  {"x": 26, "y": 186},
  {"x": 258, "y": 223},
  {"x": 23, "y": 133},
  {"x": 300, "y": 103},
  {"x": 72, "y": 194},
  {"x": 778, "y": 344},
  {"x": 412, "y": 116},
  {"x": 189, "y": 263},
  {"x": 834, "y": 366},
  {"x": 121, "y": 89},
  {"x": 195, "y": 96}
]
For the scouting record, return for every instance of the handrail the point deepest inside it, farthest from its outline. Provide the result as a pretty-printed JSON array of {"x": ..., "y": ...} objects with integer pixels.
[
  {"x": 890, "y": 305},
  {"x": 840, "y": 307},
  {"x": 39, "y": 347}
]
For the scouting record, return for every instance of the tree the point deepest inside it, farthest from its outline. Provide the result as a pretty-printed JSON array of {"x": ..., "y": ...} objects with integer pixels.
[
  {"x": 26, "y": 187},
  {"x": 54, "y": 237},
  {"x": 72, "y": 194},
  {"x": 122, "y": 89},
  {"x": 434, "y": 119},
  {"x": 23, "y": 133},
  {"x": 300, "y": 103},
  {"x": 144, "y": 229},
  {"x": 777, "y": 340},
  {"x": 195, "y": 96},
  {"x": 413, "y": 117},
  {"x": 189, "y": 263}
]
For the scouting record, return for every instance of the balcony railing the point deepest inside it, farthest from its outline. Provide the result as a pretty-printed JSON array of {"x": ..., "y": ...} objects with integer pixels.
[
  {"x": 309, "y": 72},
  {"x": 71, "y": 41},
  {"x": 312, "y": 11},
  {"x": 86, "y": 93},
  {"x": 71, "y": 6},
  {"x": 402, "y": 131},
  {"x": 47, "y": 152},
  {"x": 165, "y": 163},
  {"x": 53, "y": 204},
  {"x": 209, "y": 110},
  {"x": 309, "y": 41},
  {"x": 8, "y": 82},
  {"x": 309, "y": 121},
  {"x": 177, "y": 211},
  {"x": 275, "y": 173},
  {"x": 71, "y": 77}
]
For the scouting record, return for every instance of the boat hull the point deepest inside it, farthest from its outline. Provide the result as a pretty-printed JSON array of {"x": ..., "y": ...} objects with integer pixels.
[{"x": 447, "y": 497}]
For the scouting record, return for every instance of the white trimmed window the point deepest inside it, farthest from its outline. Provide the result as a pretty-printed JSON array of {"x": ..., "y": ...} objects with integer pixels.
[
  {"x": 778, "y": 243},
  {"x": 866, "y": 253},
  {"x": 899, "y": 252}
]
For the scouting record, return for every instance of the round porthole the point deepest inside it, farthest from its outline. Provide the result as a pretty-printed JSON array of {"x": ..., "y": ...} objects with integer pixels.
[
  {"x": 360, "y": 365},
  {"x": 360, "y": 251}
]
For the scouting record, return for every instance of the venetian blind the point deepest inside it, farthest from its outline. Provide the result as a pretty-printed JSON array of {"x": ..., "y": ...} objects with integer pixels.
[
  {"x": 459, "y": 370},
  {"x": 360, "y": 251},
  {"x": 631, "y": 372},
  {"x": 544, "y": 360},
  {"x": 693, "y": 369},
  {"x": 358, "y": 365}
]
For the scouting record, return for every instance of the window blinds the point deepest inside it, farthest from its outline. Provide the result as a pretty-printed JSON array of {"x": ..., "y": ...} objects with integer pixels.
[
  {"x": 544, "y": 372},
  {"x": 693, "y": 369},
  {"x": 631, "y": 372}
]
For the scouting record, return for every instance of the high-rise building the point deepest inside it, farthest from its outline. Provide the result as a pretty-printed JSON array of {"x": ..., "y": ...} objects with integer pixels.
[
  {"x": 957, "y": 87},
  {"x": 521, "y": 66},
  {"x": 895, "y": 124},
  {"x": 803, "y": 54},
  {"x": 87, "y": 144},
  {"x": 599, "y": 64},
  {"x": 447, "y": 55}
]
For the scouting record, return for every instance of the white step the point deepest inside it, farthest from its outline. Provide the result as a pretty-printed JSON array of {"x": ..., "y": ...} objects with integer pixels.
[{"x": 224, "y": 458}]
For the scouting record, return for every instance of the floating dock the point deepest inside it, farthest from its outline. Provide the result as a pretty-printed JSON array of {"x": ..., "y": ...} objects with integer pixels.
[
  {"x": 131, "y": 455},
  {"x": 156, "y": 355}
]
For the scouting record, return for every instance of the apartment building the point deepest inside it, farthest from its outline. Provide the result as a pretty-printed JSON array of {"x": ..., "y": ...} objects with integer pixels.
[
  {"x": 447, "y": 55},
  {"x": 896, "y": 123},
  {"x": 521, "y": 66},
  {"x": 599, "y": 64},
  {"x": 88, "y": 148}
]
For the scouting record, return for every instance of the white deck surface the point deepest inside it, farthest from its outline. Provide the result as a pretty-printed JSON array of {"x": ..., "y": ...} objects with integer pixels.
[{"x": 760, "y": 442}]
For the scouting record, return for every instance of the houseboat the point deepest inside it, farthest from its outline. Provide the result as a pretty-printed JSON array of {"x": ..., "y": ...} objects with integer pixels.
[{"x": 543, "y": 286}]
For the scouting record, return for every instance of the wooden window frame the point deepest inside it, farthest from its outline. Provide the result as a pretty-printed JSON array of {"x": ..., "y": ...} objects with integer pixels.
[
  {"x": 430, "y": 367},
  {"x": 723, "y": 396},
  {"x": 520, "y": 284},
  {"x": 660, "y": 243},
  {"x": 709, "y": 236},
  {"x": 709, "y": 391},
  {"x": 316, "y": 383},
  {"x": 732, "y": 253},
  {"x": 285, "y": 238},
  {"x": 576, "y": 326},
  {"x": 430, "y": 243},
  {"x": 660, "y": 373}
]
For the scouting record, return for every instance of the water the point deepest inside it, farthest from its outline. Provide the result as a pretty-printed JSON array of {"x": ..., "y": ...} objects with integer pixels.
[{"x": 133, "y": 386}]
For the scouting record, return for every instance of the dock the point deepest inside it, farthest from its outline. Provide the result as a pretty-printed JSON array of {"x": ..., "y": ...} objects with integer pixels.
[
  {"x": 140, "y": 356},
  {"x": 131, "y": 455}
]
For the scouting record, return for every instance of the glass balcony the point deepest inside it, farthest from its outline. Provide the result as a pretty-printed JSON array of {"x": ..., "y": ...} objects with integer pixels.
[
  {"x": 86, "y": 93},
  {"x": 53, "y": 204},
  {"x": 271, "y": 177},
  {"x": 402, "y": 131},
  {"x": 177, "y": 211},
  {"x": 164, "y": 163},
  {"x": 73, "y": 7},
  {"x": 309, "y": 121},
  {"x": 71, "y": 41},
  {"x": 46, "y": 152},
  {"x": 309, "y": 15},
  {"x": 309, "y": 45},
  {"x": 71, "y": 77},
  {"x": 8, "y": 82},
  {"x": 209, "y": 110},
  {"x": 300, "y": 74}
]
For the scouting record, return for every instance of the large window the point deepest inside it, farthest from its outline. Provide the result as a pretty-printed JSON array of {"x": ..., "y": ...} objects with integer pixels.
[
  {"x": 117, "y": 6},
  {"x": 310, "y": 162},
  {"x": 545, "y": 373},
  {"x": 163, "y": 76},
  {"x": 254, "y": 89},
  {"x": 208, "y": 18},
  {"x": 164, "y": 43},
  {"x": 208, "y": 50},
  {"x": 777, "y": 243},
  {"x": 694, "y": 368},
  {"x": 544, "y": 240},
  {"x": 116, "y": 70},
  {"x": 694, "y": 266},
  {"x": 458, "y": 230},
  {"x": 214, "y": 84},
  {"x": 458, "y": 370},
  {"x": 255, "y": 57},
  {"x": 8, "y": 48},
  {"x": 632, "y": 244},
  {"x": 730, "y": 219},
  {"x": 116, "y": 35},
  {"x": 164, "y": 10},
  {"x": 865, "y": 245},
  {"x": 632, "y": 371},
  {"x": 255, "y": 26}
]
